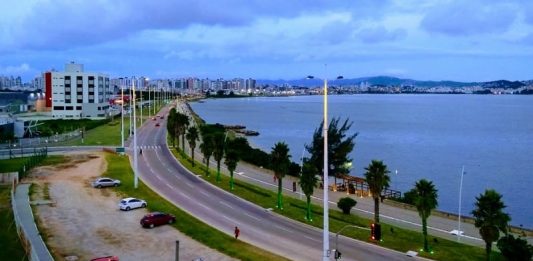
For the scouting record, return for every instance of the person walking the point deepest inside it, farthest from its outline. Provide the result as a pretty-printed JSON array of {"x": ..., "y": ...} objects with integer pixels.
[{"x": 237, "y": 232}]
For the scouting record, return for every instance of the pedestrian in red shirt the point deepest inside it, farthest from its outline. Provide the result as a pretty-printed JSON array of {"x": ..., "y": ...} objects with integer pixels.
[{"x": 237, "y": 232}]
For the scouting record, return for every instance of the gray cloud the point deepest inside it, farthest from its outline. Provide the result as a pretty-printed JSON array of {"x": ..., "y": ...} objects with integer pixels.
[
  {"x": 462, "y": 18},
  {"x": 67, "y": 24},
  {"x": 380, "y": 34}
]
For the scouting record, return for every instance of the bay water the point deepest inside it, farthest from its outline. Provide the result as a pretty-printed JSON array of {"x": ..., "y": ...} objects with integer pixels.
[{"x": 416, "y": 136}]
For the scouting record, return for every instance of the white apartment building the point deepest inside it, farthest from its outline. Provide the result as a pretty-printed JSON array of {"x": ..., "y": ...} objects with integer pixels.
[{"x": 77, "y": 94}]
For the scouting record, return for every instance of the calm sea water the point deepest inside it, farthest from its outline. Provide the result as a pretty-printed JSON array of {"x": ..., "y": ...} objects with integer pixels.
[{"x": 419, "y": 136}]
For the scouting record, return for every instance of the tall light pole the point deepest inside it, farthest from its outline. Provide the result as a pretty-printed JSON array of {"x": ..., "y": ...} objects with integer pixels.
[
  {"x": 460, "y": 194},
  {"x": 325, "y": 234},
  {"x": 135, "y": 178},
  {"x": 122, "y": 114}
]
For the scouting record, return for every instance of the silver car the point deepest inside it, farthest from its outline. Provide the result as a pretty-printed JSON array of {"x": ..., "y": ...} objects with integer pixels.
[
  {"x": 105, "y": 182},
  {"x": 131, "y": 203}
]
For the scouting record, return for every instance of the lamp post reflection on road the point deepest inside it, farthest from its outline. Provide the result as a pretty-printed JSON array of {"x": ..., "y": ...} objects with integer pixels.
[{"x": 325, "y": 234}]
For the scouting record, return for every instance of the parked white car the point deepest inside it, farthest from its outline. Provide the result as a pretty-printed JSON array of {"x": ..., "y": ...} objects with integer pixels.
[
  {"x": 131, "y": 203},
  {"x": 105, "y": 182}
]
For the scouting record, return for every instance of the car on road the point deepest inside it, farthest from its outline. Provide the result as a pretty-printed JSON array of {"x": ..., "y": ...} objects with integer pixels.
[
  {"x": 131, "y": 203},
  {"x": 157, "y": 124},
  {"x": 156, "y": 219},
  {"x": 153, "y": 118},
  {"x": 105, "y": 182}
]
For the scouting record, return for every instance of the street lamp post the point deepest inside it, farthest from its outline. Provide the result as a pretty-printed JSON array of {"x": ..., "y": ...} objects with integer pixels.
[
  {"x": 460, "y": 195},
  {"x": 135, "y": 178},
  {"x": 325, "y": 234},
  {"x": 122, "y": 114}
]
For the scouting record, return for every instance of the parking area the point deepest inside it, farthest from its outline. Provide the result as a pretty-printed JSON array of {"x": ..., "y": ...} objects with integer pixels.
[{"x": 83, "y": 222}]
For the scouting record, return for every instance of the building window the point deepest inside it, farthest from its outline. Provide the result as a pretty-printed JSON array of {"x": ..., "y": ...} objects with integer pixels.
[
  {"x": 78, "y": 108},
  {"x": 58, "y": 108},
  {"x": 79, "y": 101}
]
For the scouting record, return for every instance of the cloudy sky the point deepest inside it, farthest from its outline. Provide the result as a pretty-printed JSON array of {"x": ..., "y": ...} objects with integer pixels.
[{"x": 474, "y": 40}]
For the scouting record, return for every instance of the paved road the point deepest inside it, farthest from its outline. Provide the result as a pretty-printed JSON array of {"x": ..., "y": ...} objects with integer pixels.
[{"x": 294, "y": 240}]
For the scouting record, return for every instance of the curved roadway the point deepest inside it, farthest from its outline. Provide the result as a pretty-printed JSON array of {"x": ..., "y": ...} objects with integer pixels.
[{"x": 160, "y": 171}]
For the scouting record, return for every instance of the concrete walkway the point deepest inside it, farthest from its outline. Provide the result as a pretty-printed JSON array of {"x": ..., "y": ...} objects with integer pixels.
[{"x": 24, "y": 218}]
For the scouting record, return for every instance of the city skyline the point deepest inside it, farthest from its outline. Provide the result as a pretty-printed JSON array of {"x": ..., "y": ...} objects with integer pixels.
[{"x": 434, "y": 40}]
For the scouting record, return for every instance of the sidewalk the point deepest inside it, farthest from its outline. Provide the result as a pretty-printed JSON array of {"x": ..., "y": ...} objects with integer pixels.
[{"x": 24, "y": 218}]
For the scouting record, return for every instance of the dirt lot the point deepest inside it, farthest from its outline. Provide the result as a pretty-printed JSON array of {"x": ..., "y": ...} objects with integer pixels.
[{"x": 85, "y": 222}]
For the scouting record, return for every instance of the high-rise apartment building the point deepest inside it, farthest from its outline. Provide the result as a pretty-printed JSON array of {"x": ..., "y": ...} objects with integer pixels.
[{"x": 76, "y": 94}]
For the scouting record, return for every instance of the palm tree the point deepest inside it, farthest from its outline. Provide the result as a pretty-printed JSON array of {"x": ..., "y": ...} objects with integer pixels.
[
  {"x": 207, "y": 148},
  {"x": 231, "y": 161},
  {"x": 219, "y": 141},
  {"x": 308, "y": 182},
  {"x": 192, "y": 137},
  {"x": 280, "y": 165},
  {"x": 171, "y": 125},
  {"x": 182, "y": 124},
  {"x": 377, "y": 177},
  {"x": 425, "y": 201},
  {"x": 490, "y": 218}
]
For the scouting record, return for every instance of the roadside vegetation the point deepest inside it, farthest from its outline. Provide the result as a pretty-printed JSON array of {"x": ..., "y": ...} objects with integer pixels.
[
  {"x": 12, "y": 248},
  {"x": 393, "y": 237}
]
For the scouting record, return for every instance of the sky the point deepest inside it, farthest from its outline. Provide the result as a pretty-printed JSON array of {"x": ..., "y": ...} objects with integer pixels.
[{"x": 474, "y": 40}]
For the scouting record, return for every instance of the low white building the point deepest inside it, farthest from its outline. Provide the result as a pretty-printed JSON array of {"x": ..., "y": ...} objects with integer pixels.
[{"x": 76, "y": 94}]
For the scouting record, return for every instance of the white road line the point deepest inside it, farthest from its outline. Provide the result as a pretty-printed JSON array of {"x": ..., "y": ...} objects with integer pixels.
[
  {"x": 284, "y": 229},
  {"x": 205, "y": 194},
  {"x": 314, "y": 239},
  {"x": 256, "y": 218},
  {"x": 168, "y": 185},
  {"x": 184, "y": 195},
  {"x": 225, "y": 204},
  {"x": 188, "y": 184},
  {"x": 227, "y": 218}
]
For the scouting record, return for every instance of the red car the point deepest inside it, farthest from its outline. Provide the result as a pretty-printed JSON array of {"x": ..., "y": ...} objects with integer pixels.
[{"x": 156, "y": 219}]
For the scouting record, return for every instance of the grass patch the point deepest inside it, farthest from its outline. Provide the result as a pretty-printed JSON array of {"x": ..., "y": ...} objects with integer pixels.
[
  {"x": 109, "y": 133},
  {"x": 189, "y": 225},
  {"x": 14, "y": 164},
  {"x": 393, "y": 237},
  {"x": 12, "y": 248}
]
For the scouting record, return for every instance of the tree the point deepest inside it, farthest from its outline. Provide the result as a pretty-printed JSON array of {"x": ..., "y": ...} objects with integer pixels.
[
  {"x": 425, "y": 200},
  {"x": 490, "y": 218},
  {"x": 280, "y": 165},
  {"x": 207, "y": 148},
  {"x": 377, "y": 177},
  {"x": 218, "y": 149},
  {"x": 346, "y": 204},
  {"x": 339, "y": 147},
  {"x": 516, "y": 249},
  {"x": 182, "y": 122},
  {"x": 308, "y": 182},
  {"x": 171, "y": 125},
  {"x": 232, "y": 158},
  {"x": 192, "y": 137}
]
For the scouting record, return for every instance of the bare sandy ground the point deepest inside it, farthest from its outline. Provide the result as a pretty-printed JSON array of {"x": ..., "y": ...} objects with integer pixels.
[{"x": 86, "y": 223}]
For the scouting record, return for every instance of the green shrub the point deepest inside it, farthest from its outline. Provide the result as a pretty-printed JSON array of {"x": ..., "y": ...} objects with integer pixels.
[{"x": 346, "y": 204}]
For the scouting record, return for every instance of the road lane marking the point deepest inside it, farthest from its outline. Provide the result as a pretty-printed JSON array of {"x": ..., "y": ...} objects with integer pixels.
[
  {"x": 203, "y": 192},
  {"x": 225, "y": 204},
  {"x": 227, "y": 218},
  {"x": 188, "y": 184},
  {"x": 256, "y": 218},
  {"x": 314, "y": 239},
  {"x": 184, "y": 195},
  {"x": 284, "y": 229},
  {"x": 168, "y": 185}
]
